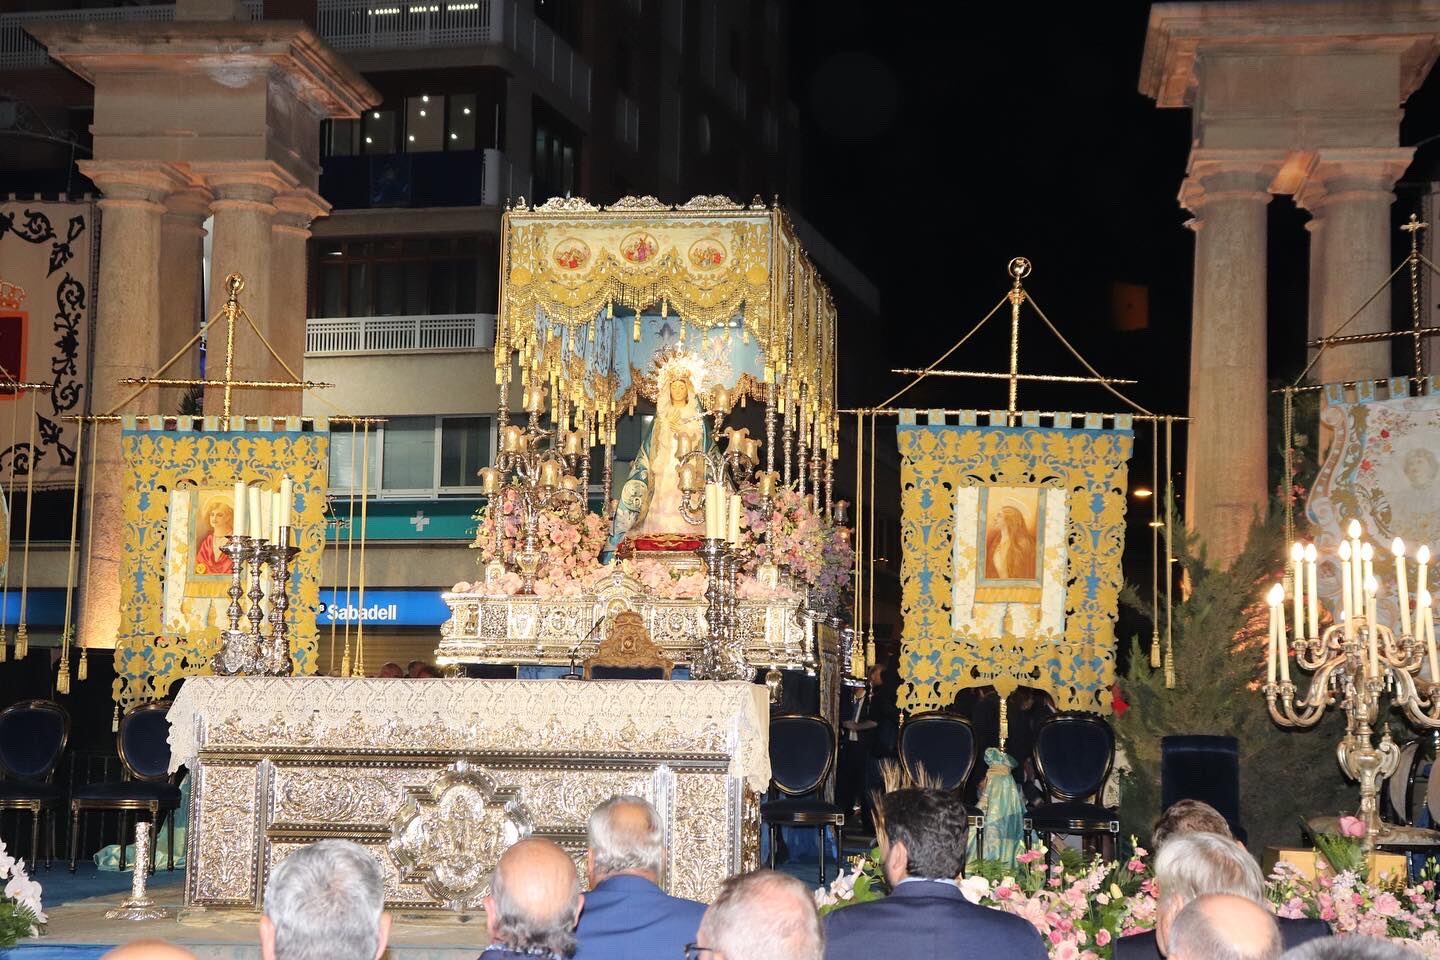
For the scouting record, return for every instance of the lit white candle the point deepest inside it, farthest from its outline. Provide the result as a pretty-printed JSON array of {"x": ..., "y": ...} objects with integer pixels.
[
  {"x": 1353, "y": 531},
  {"x": 287, "y": 500},
  {"x": 1312, "y": 594},
  {"x": 734, "y": 530},
  {"x": 1398, "y": 549},
  {"x": 1425, "y": 625},
  {"x": 1422, "y": 562},
  {"x": 242, "y": 500},
  {"x": 254, "y": 512},
  {"x": 1274, "y": 640},
  {"x": 1347, "y": 593},
  {"x": 267, "y": 513},
  {"x": 1278, "y": 592},
  {"x": 1372, "y": 634},
  {"x": 1367, "y": 562},
  {"x": 1297, "y": 574}
]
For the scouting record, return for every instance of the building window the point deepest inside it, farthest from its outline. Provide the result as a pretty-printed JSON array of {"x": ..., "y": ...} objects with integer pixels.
[
  {"x": 413, "y": 457},
  {"x": 395, "y": 277},
  {"x": 424, "y": 124},
  {"x": 461, "y": 124},
  {"x": 428, "y": 123},
  {"x": 557, "y": 157}
]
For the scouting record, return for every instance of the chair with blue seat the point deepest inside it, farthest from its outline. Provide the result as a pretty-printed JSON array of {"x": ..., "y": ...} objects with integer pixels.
[
  {"x": 802, "y": 751},
  {"x": 33, "y": 734},
  {"x": 1206, "y": 768},
  {"x": 148, "y": 788},
  {"x": 1074, "y": 752},
  {"x": 940, "y": 749}
]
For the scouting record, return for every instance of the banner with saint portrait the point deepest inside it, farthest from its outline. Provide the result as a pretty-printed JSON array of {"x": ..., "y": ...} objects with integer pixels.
[
  {"x": 1381, "y": 467},
  {"x": 1010, "y": 563},
  {"x": 178, "y": 511}
]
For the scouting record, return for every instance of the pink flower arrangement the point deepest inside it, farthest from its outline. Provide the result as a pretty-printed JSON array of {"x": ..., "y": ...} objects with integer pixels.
[
  {"x": 570, "y": 548},
  {"x": 1352, "y": 827},
  {"x": 813, "y": 548},
  {"x": 1353, "y": 905}
]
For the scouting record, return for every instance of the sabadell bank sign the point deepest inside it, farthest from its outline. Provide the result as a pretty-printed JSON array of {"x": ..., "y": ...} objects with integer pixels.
[{"x": 401, "y": 608}]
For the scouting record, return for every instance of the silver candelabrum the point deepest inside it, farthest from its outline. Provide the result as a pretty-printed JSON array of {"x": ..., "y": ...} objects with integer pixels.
[
  {"x": 254, "y": 651},
  {"x": 541, "y": 471},
  {"x": 721, "y": 655}
]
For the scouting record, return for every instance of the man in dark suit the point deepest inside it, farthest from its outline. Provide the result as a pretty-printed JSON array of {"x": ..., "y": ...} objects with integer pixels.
[
  {"x": 1195, "y": 864},
  {"x": 533, "y": 904},
  {"x": 925, "y": 916},
  {"x": 627, "y": 916}
]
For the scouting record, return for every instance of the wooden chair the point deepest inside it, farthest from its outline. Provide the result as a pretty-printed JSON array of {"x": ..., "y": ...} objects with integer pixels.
[
  {"x": 149, "y": 787},
  {"x": 32, "y": 738},
  {"x": 802, "y": 751},
  {"x": 1074, "y": 751},
  {"x": 628, "y": 653}
]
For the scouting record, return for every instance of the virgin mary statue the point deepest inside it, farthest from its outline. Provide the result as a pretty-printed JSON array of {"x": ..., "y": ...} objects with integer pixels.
[{"x": 649, "y": 502}]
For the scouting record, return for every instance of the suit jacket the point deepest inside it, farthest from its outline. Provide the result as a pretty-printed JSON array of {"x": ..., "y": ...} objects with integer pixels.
[
  {"x": 629, "y": 918},
  {"x": 504, "y": 953},
  {"x": 1142, "y": 946},
  {"x": 928, "y": 920}
]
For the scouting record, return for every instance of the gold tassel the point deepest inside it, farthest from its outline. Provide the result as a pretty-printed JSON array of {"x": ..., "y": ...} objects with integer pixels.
[
  {"x": 1170, "y": 669},
  {"x": 345, "y": 664},
  {"x": 636, "y": 330},
  {"x": 4, "y": 646},
  {"x": 62, "y": 680},
  {"x": 1155, "y": 651},
  {"x": 115, "y": 720},
  {"x": 82, "y": 670},
  {"x": 22, "y": 642}
]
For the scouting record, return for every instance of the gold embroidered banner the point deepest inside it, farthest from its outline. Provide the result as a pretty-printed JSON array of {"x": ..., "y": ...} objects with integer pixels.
[
  {"x": 1010, "y": 568},
  {"x": 177, "y": 511}
]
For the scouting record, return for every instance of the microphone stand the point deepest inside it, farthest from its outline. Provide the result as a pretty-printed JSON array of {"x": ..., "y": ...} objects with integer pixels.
[{"x": 575, "y": 652}]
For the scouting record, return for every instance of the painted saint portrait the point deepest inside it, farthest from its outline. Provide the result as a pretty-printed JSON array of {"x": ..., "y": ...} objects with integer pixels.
[
  {"x": 214, "y": 524},
  {"x": 1011, "y": 518}
]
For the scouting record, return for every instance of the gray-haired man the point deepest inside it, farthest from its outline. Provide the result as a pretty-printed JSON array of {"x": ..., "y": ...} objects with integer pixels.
[
  {"x": 325, "y": 902},
  {"x": 626, "y": 913}
]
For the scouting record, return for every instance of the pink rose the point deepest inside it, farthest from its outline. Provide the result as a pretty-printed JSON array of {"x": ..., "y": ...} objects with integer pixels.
[
  {"x": 1102, "y": 937},
  {"x": 1352, "y": 827}
]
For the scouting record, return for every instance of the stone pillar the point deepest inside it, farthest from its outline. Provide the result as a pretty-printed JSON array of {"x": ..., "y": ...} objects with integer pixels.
[
  {"x": 182, "y": 280},
  {"x": 1227, "y": 433},
  {"x": 289, "y": 286},
  {"x": 244, "y": 212},
  {"x": 1349, "y": 193},
  {"x": 127, "y": 331}
]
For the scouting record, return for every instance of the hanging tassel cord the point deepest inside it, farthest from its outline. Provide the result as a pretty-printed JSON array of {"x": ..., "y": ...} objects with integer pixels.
[
  {"x": 62, "y": 679},
  {"x": 22, "y": 633},
  {"x": 82, "y": 671}
]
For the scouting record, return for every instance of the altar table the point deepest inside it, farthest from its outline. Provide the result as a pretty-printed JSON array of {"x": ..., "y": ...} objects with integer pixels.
[{"x": 437, "y": 777}]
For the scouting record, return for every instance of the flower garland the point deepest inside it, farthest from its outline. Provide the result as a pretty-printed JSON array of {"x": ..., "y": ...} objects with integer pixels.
[
  {"x": 570, "y": 549},
  {"x": 21, "y": 912},
  {"x": 1082, "y": 907}
]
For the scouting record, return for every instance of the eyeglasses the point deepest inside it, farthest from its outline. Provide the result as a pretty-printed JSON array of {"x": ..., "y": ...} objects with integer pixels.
[{"x": 694, "y": 950}]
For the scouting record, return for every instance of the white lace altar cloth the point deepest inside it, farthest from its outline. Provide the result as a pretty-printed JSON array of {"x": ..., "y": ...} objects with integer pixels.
[{"x": 513, "y": 716}]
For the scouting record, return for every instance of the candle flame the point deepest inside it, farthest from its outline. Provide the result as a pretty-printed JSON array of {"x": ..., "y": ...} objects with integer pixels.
[
  {"x": 1277, "y": 595},
  {"x": 1423, "y": 554},
  {"x": 1398, "y": 548},
  {"x": 1353, "y": 529},
  {"x": 1345, "y": 549},
  {"x": 1372, "y": 586},
  {"x": 1367, "y": 552},
  {"x": 1297, "y": 551},
  {"x": 1422, "y": 599},
  {"x": 1311, "y": 553}
]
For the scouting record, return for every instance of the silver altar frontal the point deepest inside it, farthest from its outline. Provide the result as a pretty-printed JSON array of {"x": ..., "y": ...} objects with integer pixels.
[{"x": 438, "y": 777}]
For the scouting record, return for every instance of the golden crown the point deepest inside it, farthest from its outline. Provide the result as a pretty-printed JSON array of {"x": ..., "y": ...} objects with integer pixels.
[{"x": 12, "y": 296}]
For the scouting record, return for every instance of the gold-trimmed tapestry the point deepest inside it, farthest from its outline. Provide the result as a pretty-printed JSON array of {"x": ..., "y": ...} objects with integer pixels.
[
  {"x": 1010, "y": 564},
  {"x": 173, "y": 579}
]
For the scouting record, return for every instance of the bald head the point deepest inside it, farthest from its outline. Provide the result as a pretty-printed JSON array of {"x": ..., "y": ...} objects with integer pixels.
[
  {"x": 763, "y": 916},
  {"x": 1221, "y": 926},
  {"x": 626, "y": 836},
  {"x": 149, "y": 950},
  {"x": 534, "y": 898}
]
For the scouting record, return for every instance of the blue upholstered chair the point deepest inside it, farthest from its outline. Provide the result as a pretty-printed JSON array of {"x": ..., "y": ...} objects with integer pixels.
[
  {"x": 941, "y": 749},
  {"x": 1074, "y": 751},
  {"x": 1206, "y": 768},
  {"x": 602, "y": 672},
  {"x": 149, "y": 787},
  {"x": 32, "y": 738},
  {"x": 802, "y": 751}
]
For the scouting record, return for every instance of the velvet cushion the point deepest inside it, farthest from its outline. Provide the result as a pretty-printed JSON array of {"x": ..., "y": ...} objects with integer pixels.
[
  {"x": 1074, "y": 752},
  {"x": 1199, "y": 767},
  {"x": 599, "y": 672},
  {"x": 145, "y": 738},
  {"x": 28, "y": 790},
  {"x": 944, "y": 746},
  {"x": 791, "y": 807},
  {"x": 31, "y": 741},
  {"x": 142, "y": 791},
  {"x": 800, "y": 751},
  {"x": 1058, "y": 816}
]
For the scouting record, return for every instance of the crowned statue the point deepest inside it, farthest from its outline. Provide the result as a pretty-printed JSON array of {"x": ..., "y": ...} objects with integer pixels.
[{"x": 648, "y": 514}]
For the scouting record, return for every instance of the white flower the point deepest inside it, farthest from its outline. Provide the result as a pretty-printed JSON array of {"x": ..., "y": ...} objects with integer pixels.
[
  {"x": 25, "y": 892},
  {"x": 975, "y": 888}
]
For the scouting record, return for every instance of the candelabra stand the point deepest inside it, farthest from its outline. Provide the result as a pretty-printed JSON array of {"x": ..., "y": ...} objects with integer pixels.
[
  {"x": 1360, "y": 676},
  {"x": 720, "y": 656},
  {"x": 277, "y": 651},
  {"x": 238, "y": 655},
  {"x": 534, "y": 473},
  {"x": 140, "y": 906}
]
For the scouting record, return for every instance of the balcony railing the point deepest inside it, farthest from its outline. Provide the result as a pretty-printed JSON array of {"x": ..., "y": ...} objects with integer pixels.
[
  {"x": 18, "y": 50},
  {"x": 338, "y": 336},
  {"x": 402, "y": 24}
]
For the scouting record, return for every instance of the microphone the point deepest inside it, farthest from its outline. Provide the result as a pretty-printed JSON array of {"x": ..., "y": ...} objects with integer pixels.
[{"x": 575, "y": 650}]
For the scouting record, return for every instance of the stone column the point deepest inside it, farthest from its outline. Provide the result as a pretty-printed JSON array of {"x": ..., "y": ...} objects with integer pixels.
[
  {"x": 127, "y": 329},
  {"x": 1227, "y": 435},
  {"x": 1349, "y": 193},
  {"x": 244, "y": 212},
  {"x": 182, "y": 280},
  {"x": 289, "y": 288}
]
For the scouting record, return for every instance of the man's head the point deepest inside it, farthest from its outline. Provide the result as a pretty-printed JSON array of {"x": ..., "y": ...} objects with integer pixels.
[
  {"x": 626, "y": 836},
  {"x": 924, "y": 835},
  {"x": 1188, "y": 816},
  {"x": 762, "y": 916},
  {"x": 1349, "y": 948},
  {"x": 534, "y": 899},
  {"x": 392, "y": 670},
  {"x": 148, "y": 950},
  {"x": 1192, "y": 865},
  {"x": 1219, "y": 926},
  {"x": 325, "y": 901}
]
